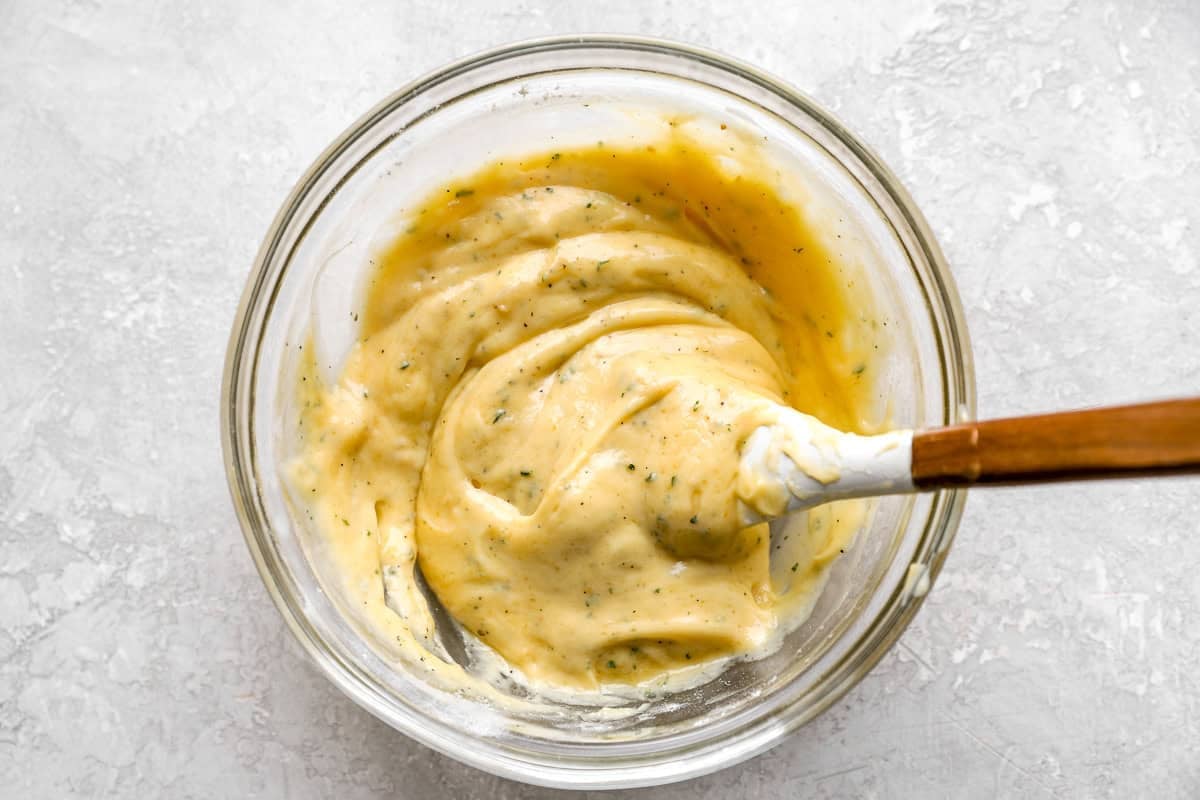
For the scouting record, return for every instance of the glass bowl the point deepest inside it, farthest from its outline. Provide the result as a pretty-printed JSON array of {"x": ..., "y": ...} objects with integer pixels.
[{"x": 528, "y": 97}]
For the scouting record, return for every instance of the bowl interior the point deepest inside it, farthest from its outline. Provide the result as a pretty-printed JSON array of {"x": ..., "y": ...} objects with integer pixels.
[{"x": 513, "y": 102}]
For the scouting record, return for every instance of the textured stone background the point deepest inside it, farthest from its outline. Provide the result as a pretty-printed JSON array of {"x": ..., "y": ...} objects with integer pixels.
[{"x": 144, "y": 148}]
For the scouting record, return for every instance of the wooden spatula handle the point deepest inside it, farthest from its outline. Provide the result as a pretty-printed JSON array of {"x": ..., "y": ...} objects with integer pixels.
[{"x": 1145, "y": 439}]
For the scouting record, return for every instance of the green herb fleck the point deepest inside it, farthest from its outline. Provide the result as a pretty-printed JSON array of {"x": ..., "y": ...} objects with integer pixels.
[
  {"x": 795, "y": 566},
  {"x": 630, "y": 467},
  {"x": 858, "y": 370},
  {"x": 464, "y": 193},
  {"x": 694, "y": 519},
  {"x": 525, "y": 473},
  {"x": 346, "y": 522},
  {"x": 612, "y": 664}
]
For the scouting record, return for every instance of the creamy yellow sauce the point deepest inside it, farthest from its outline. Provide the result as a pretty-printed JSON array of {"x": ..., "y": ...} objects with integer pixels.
[{"x": 559, "y": 359}]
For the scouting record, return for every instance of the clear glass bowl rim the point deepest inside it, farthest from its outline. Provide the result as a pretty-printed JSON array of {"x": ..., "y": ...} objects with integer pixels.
[{"x": 562, "y": 770}]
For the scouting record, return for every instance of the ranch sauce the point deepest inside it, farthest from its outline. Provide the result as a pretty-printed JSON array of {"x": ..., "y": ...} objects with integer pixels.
[{"x": 560, "y": 358}]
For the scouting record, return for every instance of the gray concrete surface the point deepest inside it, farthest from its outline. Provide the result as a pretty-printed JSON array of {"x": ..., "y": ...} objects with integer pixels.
[{"x": 144, "y": 147}]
